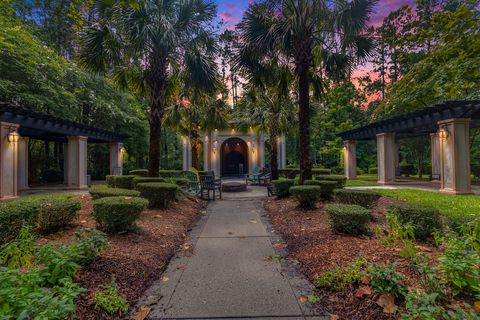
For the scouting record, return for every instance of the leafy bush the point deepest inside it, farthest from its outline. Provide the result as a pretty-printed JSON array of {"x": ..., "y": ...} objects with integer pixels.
[
  {"x": 321, "y": 171},
  {"x": 281, "y": 187},
  {"x": 118, "y": 213},
  {"x": 407, "y": 169},
  {"x": 139, "y": 172},
  {"x": 362, "y": 198},
  {"x": 385, "y": 279},
  {"x": 340, "y": 277},
  {"x": 457, "y": 223},
  {"x": 99, "y": 192},
  {"x": 52, "y": 175},
  {"x": 348, "y": 218},
  {"x": 138, "y": 180},
  {"x": 56, "y": 213},
  {"x": 170, "y": 173},
  {"x": 423, "y": 219},
  {"x": 398, "y": 233},
  {"x": 326, "y": 187},
  {"x": 159, "y": 194},
  {"x": 13, "y": 216},
  {"x": 110, "y": 300},
  {"x": 181, "y": 182},
  {"x": 307, "y": 196},
  {"x": 286, "y": 172},
  {"x": 372, "y": 170},
  {"x": 339, "y": 179},
  {"x": 124, "y": 182}
]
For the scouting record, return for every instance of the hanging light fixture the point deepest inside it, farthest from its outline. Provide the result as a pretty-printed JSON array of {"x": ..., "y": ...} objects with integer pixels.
[
  {"x": 443, "y": 133},
  {"x": 13, "y": 136}
]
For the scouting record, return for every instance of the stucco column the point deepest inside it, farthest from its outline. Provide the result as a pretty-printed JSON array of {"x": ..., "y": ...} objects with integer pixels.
[
  {"x": 350, "y": 158},
  {"x": 386, "y": 151},
  {"x": 215, "y": 156},
  {"x": 207, "y": 150},
  {"x": 253, "y": 152},
  {"x": 116, "y": 158},
  {"x": 283, "y": 162},
  {"x": 435, "y": 155},
  {"x": 261, "y": 151},
  {"x": 8, "y": 161},
  {"x": 455, "y": 156},
  {"x": 77, "y": 162},
  {"x": 397, "y": 156},
  {"x": 23, "y": 163}
]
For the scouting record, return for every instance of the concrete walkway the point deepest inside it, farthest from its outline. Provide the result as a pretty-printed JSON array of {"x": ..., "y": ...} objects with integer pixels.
[{"x": 226, "y": 275}]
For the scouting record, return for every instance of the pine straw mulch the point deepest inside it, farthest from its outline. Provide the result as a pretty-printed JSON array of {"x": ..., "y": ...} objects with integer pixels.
[
  {"x": 318, "y": 248},
  {"x": 135, "y": 259}
]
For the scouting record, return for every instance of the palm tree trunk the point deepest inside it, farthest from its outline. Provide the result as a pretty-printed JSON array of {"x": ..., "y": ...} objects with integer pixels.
[
  {"x": 157, "y": 85},
  {"x": 273, "y": 146},
  {"x": 304, "y": 124},
  {"x": 195, "y": 157}
]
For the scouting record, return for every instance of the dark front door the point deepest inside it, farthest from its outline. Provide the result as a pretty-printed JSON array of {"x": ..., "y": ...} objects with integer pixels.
[{"x": 234, "y": 157}]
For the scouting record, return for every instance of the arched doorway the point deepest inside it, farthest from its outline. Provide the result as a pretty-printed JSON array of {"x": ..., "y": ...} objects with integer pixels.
[{"x": 234, "y": 157}]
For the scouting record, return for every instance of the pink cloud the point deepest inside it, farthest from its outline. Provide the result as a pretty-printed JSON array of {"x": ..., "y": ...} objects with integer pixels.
[{"x": 227, "y": 17}]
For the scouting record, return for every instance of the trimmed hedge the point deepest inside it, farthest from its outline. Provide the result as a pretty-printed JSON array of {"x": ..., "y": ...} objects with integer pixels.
[
  {"x": 424, "y": 219},
  {"x": 124, "y": 182},
  {"x": 54, "y": 214},
  {"x": 281, "y": 187},
  {"x": 99, "y": 192},
  {"x": 326, "y": 187},
  {"x": 307, "y": 196},
  {"x": 159, "y": 194},
  {"x": 362, "y": 198},
  {"x": 348, "y": 218},
  {"x": 116, "y": 214},
  {"x": 139, "y": 172},
  {"x": 138, "y": 180},
  {"x": 372, "y": 170},
  {"x": 183, "y": 183},
  {"x": 320, "y": 171},
  {"x": 170, "y": 173},
  {"x": 285, "y": 172},
  {"x": 339, "y": 179},
  {"x": 44, "y": 214}
]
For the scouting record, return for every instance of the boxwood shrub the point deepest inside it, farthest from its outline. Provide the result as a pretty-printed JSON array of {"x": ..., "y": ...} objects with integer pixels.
[
  {"x": 99, "y": 192},
  {"x": 13, "y": 216},
  {"x": 339, "y": 179},
  {"x": 138, "y": 180},
  {"x": 116, "y": 214},
  {"x": 424, "y": 219},
  {"x": 170, "y": 173},
  {"x": 56, "y": 213},
  {"x": 281, "y": 187},
  {"x": 159, "y": 194},
  {"x": 362, "y": 198},
  {"x": 139, "y": 172},
  {"x": 321, "y": 171},
  {"x": 124, "y": 182},
  {"x": 348, "y": 218},
  {"x": 307, "y": 196},
  {"x": 183, "y": 183},
  {"x": 326, "y": 187},
  {"x": 372, "y": 170}
]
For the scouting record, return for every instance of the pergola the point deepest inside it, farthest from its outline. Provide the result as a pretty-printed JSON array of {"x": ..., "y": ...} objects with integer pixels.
[
  {"x": 449, "y": 126},
  {"x": 18, "y": 125}
]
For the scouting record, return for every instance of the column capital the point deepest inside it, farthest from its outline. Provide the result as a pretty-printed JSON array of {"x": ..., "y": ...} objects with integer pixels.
[
  {"x": 77, "y": 138},
  {"x": 385, "y": 134},
  {"x": 9, "y": 124},
  {"x": 454, "y": 120}
]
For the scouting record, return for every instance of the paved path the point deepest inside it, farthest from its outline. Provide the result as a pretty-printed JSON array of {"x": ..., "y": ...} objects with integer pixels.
[{"x": 227, "y": 276}]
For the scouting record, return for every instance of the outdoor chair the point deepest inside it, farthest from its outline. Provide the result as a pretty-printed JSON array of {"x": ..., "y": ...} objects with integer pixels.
[
  {"x": 209, "y": 183},
  {"x": 264, "y": 178},
  {"x": 254, "y": 176},
  {"x": 192, "y": 177}
]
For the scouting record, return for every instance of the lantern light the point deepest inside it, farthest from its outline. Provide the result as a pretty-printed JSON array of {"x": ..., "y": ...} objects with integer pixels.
[
  {"x": 443, "y": 133},
  {"x": 123, "y": 150},
  {"x": 13, "y": 136}
]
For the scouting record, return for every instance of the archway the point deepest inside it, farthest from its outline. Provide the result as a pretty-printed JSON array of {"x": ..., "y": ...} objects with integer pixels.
[{"x": 234, "y": 157}]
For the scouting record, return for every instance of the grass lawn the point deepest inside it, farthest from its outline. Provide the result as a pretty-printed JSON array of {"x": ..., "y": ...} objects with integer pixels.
[
  {"x": 449, "y": 205},
  {"x": 360, "y": 183}
]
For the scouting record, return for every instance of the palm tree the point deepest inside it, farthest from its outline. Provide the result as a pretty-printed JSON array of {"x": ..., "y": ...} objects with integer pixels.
[
  {"x": 145, "y": 45},
  {"x": 316, "y": 38}
]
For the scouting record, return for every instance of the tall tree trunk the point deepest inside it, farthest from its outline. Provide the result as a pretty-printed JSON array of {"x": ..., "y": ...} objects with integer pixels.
[
  {"x": 304, "y": 124},
  {"x": 273, "y": 146},
  {"x": 194, "y": 140},
  {"x": 157, "y": 86}
]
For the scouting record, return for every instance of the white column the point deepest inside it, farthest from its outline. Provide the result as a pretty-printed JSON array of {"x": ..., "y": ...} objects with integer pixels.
[
  {"x": 215, "y": 164},
  {"x": 397, "y": 156},
  {"x": 386, "y": 151},
  {"x": 206, "y": 152},
  {"x": 253, "y": 152},
  {"x": 350, "y": 159},
  {"x": 283, "y": 162},
  {"x": 8, "y": 161},
  {"x": 435, "y": 156},
  {"x": 261, "y": 151},
  {"x": 186, "y": 153},
  {"x": 77, "y": 162},
  {"x": 116, "y": 158},
  {"x": 23, "y": 163},
  {"x": 455, "y": 156}
]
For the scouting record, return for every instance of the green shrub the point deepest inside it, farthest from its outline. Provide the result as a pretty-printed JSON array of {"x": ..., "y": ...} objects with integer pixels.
[
  {"x": 183, "y": 183},
  {"x": 139, "y": 172},
  {"x": 457, "y": 223},
  {"x": 385, "y": 279},
  {"x": 98, "y": 192},
  {"x": 14, "y": 215},
  {"x": 307, "y": 196},
  {"x": 340, "y": 277},
  {"x": 362, "y": 198},
  {"x": 124, "y": 182},
  {"x": 109, "y": 299},
  {"x": 117, "y": 214},
  {"x": 159, "y": 194},
  {"x": 339, "y": 179},
  {"x": 348, "y": 218},
  {"x": 52, "y": 175},
  {"x": 423, "y": 219},
  {"x": 407, "y": 169},
  {"x": 138, "y": 180},
  {"x": 55, "y": 213},
  {"x": 285, "y": 172},
  {"x": 281, "y": 187},
  {"x": 372, "y": 170},
  {"x": 321, "y": 171},
  {"x": 326, "y": 187},
  {"x": 170, "y": 173}
]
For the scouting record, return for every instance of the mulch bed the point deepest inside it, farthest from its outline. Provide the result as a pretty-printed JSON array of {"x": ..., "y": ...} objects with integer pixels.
[
  {"x": 318, "y": 248},
  {"x": 136, "y": 260}
]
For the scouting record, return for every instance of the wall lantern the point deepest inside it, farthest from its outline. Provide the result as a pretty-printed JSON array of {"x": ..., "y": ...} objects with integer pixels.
[
  {"x": 215, "y": 147},
  {"x": 123, "y": 150},
  {"x": 13, "y": 136},
  {"x": 253, "y": 147},
  {"x": 443, "y": 133}
]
